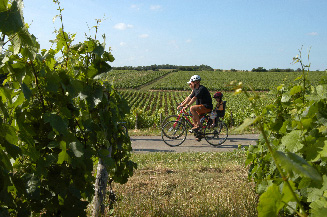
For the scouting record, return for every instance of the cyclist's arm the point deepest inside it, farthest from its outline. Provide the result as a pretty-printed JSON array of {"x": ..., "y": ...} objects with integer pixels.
[{"x": 189, "y": 103}]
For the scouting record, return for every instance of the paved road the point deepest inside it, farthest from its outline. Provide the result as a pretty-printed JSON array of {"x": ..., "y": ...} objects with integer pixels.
[{"x": 145, "y": 144}]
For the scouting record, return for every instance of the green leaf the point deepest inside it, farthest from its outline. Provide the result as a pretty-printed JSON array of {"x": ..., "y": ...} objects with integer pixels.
[
  {"x": 286, "y": 97},
  {"x": 9, "y": 133},
  {"x": 90, "y": 45},
  {"x": 27, "y": 92},
  {"x": 294, "y": 163},
  {"x": 108, "y": 57},
  {"x": 63, "y": 156},
  {"x": 323, "y": 152},
  {"x": 247, "y": 122},
  {"x": 18, "y": 100},
  {"x": 287, "y": 192},
  {"x": 322, "y": 91},
  {"x": 56, "y": 122},
  {"x": 3, "y": 5},
  {"x": 11, "y": 20},
  {"x": 319, "y": 208},
  {"x": 270, "y": 202},
  {"x": 295, "y": 90},
  {"x": 292, "y": 141},
  {"x": 5, "y": 160}
]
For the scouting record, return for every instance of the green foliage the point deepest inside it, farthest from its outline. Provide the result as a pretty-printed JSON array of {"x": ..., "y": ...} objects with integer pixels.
[
  {"x": 56, "y": 119},
  {"x": 289, "y": 162}
]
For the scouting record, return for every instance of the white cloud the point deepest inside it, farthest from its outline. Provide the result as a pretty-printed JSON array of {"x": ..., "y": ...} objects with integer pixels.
[
  {"x": 188, "y": 41},
  {"x": 313, "y": 33},
  {"x": 144, "y": 36},
  {"x": 122, "y": 44},
  {"x": 155, "y": 7},
  {"x": 123, "y": 26}
]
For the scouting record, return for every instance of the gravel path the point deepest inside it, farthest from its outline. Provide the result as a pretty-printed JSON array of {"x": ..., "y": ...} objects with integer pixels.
[{"x": 144, "y": 144}]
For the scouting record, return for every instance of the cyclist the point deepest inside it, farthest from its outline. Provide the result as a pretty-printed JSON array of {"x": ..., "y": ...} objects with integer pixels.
[
  {"x": 201, "y": 96},
  {"x": 219, "y": 109}
]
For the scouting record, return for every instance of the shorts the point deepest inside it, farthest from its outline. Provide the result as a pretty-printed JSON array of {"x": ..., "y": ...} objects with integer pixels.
[{"x": 201, "y": 109}]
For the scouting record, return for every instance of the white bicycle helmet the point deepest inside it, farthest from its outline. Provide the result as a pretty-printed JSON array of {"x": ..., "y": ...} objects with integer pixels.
[{"x": 195, "y": 78}]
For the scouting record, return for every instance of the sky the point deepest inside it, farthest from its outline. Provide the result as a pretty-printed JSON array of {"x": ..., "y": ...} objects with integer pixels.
[{"x": 223, "y": 34}]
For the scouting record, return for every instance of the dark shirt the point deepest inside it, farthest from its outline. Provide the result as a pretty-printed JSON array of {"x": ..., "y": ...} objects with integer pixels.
[{"x": 203, "y": 97}]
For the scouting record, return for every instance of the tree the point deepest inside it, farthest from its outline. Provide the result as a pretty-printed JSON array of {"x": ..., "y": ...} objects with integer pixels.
[{"x": 58, "y": 118}]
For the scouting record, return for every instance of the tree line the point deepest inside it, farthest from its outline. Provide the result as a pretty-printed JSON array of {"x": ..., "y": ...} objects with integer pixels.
[{"x": 166, "y": 66}]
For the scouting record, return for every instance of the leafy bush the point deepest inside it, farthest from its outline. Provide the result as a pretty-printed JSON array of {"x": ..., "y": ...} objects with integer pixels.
[
  {"x": 56, "y": 120},
  {"x": 289, "y": 162}
]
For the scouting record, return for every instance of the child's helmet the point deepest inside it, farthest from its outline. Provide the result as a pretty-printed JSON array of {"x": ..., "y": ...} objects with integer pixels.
[{"x": 218, "y": 95}]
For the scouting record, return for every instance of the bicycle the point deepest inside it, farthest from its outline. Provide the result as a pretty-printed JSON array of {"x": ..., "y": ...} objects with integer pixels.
[{"x": 174, "y": 129}]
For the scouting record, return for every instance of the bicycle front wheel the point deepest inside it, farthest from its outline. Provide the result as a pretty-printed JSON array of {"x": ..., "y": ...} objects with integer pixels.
[
  {"x": 170, "y": 118},
  {"x": 216, "y": 135},
  {"x": 173, "y": 133}
]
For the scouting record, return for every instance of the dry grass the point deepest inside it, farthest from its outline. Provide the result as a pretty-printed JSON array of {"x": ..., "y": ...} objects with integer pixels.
[{"x": 187, "y": 184}]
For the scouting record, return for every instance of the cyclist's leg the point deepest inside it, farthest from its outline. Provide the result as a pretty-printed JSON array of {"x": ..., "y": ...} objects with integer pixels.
[
  {"x": 195, "y": 115},
  {"x": 196, "y": 111}
]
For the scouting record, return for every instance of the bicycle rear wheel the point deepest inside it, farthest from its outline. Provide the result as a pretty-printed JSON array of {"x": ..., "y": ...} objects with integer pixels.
[
  {"x": 173, "y": 133},
  {"x": 216, "y": 135}
]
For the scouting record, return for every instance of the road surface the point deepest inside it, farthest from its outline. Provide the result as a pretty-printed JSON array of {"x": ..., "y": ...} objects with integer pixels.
[{"x": 144, "y": 144}]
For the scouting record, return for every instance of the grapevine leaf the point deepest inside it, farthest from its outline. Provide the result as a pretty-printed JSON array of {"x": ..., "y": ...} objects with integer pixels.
[
  {"x": 286, "y": 97},
  {"x": 5, "y": 160},
  {"x": 3, "y": 5},
  {"x": 287, "y": 193},
  {"x": 56, "y": 122},
  {"x": 18, "y": 100},
  {"x": 323, "y": 152},
  {"x": 292, "y": 141},
  {"x": 322, "y": 91},
  {"x": 10, "y": 134},
  {"x": 27, "y": 92},
  {"x": 63, "y": 156},
  {"x": 16, "y": 42},
  {"x": 11, "y": 149},
  {"x": 270, "y": 202},
  {"x": 247, "y": 122},
  {"x": 108, "y": 57},
  {"x": 11, "y": 20},
  {"x": 294, "y": 163},
  {"x": 98, "y": 50},
  {"x": 295, "y": 90},
  {"x": 319, "y": 208},
  {"x": 314, "y": 148},
  {"x": 315, "y": 193}
]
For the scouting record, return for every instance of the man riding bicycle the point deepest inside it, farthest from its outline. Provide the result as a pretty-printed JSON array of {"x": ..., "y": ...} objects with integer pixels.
[{"x": 201, "y": 96}]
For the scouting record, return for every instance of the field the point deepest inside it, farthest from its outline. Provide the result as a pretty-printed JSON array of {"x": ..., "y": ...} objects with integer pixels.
[
  {"x": 166, "y": 184},
  {"x": 213, "y": 80},
  {"x": 153, "y": 95}
]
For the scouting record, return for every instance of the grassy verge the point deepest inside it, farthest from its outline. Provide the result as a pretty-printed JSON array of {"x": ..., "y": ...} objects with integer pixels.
[{"x": 187, "y": 184}]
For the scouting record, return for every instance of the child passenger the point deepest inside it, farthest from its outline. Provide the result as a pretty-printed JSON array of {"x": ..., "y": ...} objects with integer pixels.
[{"x": 219, "y": 110}]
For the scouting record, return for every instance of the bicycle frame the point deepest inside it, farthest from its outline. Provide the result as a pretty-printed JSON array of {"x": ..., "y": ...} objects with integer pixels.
[{"x": 184, "y": 115}]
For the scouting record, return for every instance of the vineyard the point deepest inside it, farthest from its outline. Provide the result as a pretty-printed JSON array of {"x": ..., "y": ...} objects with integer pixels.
[
  {"x": 154, "y": 95},
  {"x": 152, "y": 107},
  {"x": 213, "y": 80}
]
